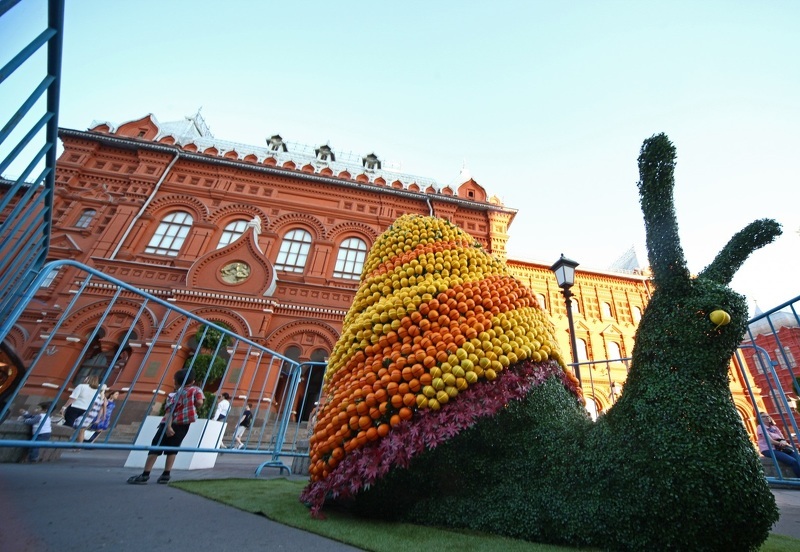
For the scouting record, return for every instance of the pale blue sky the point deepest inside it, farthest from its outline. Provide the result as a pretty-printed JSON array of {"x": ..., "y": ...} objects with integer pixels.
[{"x": 547, "y": 102}]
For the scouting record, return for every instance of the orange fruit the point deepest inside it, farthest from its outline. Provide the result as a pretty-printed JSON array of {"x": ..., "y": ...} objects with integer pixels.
[{"x": 397, "y": 401}]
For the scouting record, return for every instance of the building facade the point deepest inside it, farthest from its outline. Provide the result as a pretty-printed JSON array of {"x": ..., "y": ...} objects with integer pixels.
[{"x": 268, "y": 241}]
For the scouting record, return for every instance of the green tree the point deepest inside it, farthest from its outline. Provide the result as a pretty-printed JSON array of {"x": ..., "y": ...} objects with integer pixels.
[
  {"x": 209, "y": 338},
  {"x": 207, "y": 362},
  {"x": 207, "y": 368}
]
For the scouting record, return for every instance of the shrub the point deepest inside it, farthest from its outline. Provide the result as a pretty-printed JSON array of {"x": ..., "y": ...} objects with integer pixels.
[
  {"x": 207, "y": 368},
  {"x": 209, "y": 338},
  {"x": 668, "y": 467}
]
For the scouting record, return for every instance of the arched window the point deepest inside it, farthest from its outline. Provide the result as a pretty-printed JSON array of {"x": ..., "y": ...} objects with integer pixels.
[
  {"x": 613, "y": 350},
  {"x": 292, "y": 352},
  {"x": 574, "y": 305},
  {"x": 580, "y": 344},
  {"x": 171, "y": 234},
  {"x": 232, "y": 232},
  {"x": 86, "y": 218},
  {"x": 637, "y": 314},
  {"x": 294, "y": 251},
  {"x": 606, "y": 307},
  {"x": 94, "y": 362},
  {"x": 315, "y": 375},
  {"x": 541, "y": 300},
  {"x": 591, "y": 408},
  {"x": 350, "y": 259}
]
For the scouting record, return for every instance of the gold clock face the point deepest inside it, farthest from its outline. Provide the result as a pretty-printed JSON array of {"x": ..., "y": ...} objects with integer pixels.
[{"x": 235, "y": 272}]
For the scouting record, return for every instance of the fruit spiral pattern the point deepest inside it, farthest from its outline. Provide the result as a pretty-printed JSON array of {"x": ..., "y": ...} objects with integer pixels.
[{"x": 434, "y": 315}]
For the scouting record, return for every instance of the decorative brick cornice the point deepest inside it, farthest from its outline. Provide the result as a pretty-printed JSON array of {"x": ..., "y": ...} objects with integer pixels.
[{"x": 133, "y": 143}]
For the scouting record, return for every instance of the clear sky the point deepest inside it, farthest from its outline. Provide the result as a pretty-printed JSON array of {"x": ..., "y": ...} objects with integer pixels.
[{"x": 547, "y": 103}]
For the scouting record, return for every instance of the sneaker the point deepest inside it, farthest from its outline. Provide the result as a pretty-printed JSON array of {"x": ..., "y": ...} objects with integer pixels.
[
  {"x": 163, "y": 479},
  {"x": 139, "y": 479}
]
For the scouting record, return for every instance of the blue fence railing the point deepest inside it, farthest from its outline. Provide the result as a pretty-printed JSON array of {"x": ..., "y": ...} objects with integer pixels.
[
  {"x": 138, "y": 363},
  {"x": 29, "y": 86},
  {"x": 771, "y": 349}
]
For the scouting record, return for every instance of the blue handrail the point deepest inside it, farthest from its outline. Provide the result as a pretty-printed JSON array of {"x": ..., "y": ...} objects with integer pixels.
[{"x": 25, "y": 229}]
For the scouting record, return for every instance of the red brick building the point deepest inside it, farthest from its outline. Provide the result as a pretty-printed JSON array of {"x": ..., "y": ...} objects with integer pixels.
[{"x": 267, "y": 240}]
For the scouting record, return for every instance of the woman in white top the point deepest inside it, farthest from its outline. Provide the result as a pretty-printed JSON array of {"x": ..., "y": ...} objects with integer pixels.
[
  {"x": 223, "y": 406},
  {"x": 80, "y": 400},
  {"x": 97, "y": 411}
]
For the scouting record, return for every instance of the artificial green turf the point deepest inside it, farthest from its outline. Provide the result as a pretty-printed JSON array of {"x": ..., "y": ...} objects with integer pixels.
[{"x": 277, "y": 499}]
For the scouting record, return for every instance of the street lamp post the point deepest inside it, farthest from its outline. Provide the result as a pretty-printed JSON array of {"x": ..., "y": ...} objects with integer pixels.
[{"x": 564, "y": 269}]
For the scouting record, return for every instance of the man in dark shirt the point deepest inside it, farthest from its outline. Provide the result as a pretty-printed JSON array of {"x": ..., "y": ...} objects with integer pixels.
[{"x": 244, "y": 424}]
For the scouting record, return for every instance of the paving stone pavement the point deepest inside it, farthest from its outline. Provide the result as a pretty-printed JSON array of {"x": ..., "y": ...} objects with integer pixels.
[{"x": 82, "y": 503}]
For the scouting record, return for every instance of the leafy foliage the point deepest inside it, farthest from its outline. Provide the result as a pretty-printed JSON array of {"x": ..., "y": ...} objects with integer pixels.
[
  {"x": 366, "y": 466},
  {"x": 669, "y": 467},
  {"x": 206, "y": 362},
  {"x": 210, "y": 339},
  {"x": 277, "y": 500},
  {"x": 207, "y": 367},
  {"x": 204, "y": 412}
]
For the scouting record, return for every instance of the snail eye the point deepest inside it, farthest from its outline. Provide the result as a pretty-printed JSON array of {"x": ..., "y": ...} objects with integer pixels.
[{"x": 719, "y": 318}]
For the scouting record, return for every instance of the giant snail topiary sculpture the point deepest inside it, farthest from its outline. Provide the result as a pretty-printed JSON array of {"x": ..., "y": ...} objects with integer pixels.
[{"x": 447, "y": 402}]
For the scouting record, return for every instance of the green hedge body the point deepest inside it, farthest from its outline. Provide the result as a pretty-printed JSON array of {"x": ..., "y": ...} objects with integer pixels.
[{"x": 669, "y": 467}]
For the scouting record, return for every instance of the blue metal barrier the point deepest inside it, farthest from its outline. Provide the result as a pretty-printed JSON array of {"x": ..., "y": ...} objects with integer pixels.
[
  {"x": 274, "y": 382},
  {"x": 275, "y": 461},
  {"x": 28, "y": 145},
  {"x": 773, "y": 359}
]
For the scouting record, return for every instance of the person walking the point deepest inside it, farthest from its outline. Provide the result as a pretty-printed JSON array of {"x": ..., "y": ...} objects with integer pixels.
[
  {"x": 100, "y": 425},
  {"x": 223, "y": 407},
  {"x": 244, "y": 425},
  {"x": 90, "y": 416},
  {"x": 80, "y": 400}
]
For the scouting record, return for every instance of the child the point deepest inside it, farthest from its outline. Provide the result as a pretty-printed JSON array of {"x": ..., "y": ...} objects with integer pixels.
[
  {"x": 102, "y": 424},
  {"x": 181, "y": 408},
  {"x": 35, "y": 421},
  {"x": 91, "y": 415}
]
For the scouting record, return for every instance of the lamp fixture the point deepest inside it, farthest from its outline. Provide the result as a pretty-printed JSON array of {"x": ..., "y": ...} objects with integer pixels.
[{"x": 564, "y": 270}]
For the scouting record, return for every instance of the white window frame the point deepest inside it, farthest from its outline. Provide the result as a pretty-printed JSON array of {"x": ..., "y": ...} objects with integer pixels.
[
  {"x": 582, "y": 350},
  {"x": 293, "y": 253},
  {"x": 170, "y": 234},
  {"x": 783, "y": 359},
  {"x": 233, "y": 230},
  {"x": 86, "y": 218},
  {"x": 350, "y": 259},
  {"x": 50, "y": 278}
]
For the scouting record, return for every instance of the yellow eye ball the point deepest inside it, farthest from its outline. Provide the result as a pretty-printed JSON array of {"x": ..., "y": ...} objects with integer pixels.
[{"x": 720, "y": 318}]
